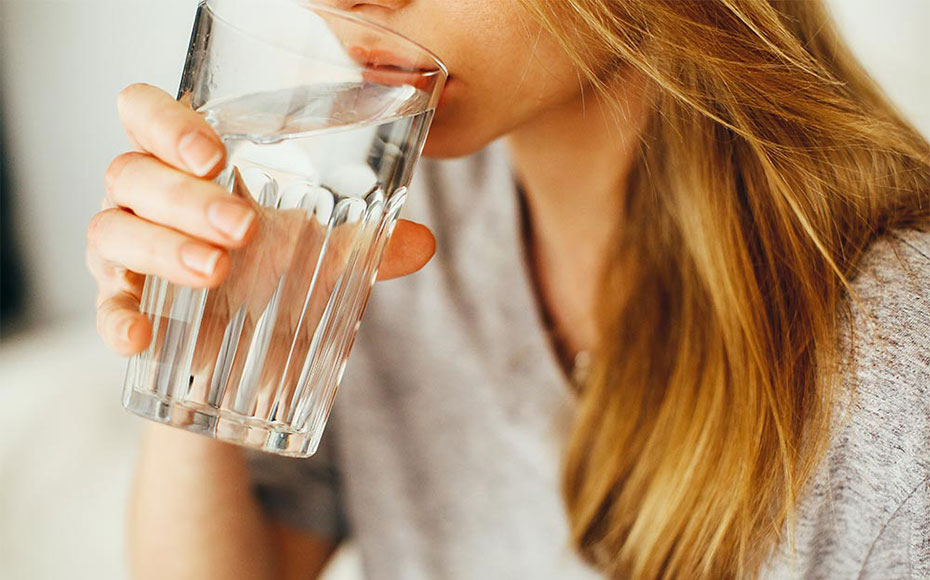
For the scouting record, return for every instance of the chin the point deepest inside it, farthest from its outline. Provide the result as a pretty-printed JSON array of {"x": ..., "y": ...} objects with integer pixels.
[
  {"x": 447, "y": 148},
  {"x": 453, "y": 135}
]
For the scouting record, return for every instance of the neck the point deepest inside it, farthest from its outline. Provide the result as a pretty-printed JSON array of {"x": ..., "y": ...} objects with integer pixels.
[{"x": 572, "y": 162}]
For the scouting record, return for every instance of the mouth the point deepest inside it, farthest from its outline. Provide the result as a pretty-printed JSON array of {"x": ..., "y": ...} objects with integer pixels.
[
  {"x": 382, "y": 60},
  {"x": 385, "y": 67}
]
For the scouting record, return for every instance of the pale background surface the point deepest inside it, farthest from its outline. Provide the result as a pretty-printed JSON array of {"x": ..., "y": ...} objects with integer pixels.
[{"x": 67, "y": 448}]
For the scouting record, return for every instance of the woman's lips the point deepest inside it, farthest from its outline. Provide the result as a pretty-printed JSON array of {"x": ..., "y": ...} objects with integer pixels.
[
  {"x": 383, "y": 59},
  {"x": 387, "y": 68}
]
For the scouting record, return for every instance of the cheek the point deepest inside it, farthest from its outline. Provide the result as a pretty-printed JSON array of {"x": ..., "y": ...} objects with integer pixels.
[
  {"x": 490, "y": 106},
  {"x": 505, "y": 70},
  {"x": 494, "y": 91}
]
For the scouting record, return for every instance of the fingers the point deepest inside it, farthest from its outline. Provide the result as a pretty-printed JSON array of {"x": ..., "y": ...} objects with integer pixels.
[
  {"x": 160, "y": 194},
  {"x": 122, "y": 245},
  {"x": 117, "y": 237},
  {"x": 121, "y": 325},
  {"x": 411, "y": 247},
  {"x": 169, "y": 130}
]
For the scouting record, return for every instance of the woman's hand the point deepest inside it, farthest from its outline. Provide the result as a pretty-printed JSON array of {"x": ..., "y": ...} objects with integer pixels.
[{"x": 163, "y": 215}]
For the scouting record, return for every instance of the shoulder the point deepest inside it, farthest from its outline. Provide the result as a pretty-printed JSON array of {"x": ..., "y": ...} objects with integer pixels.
[
  {"x": 884, "y": 444},
  {"x": 889, "y": 331},
  {"x": 892, "y": 284},
  {"x": 866, "y": 512},
  {"x": 884, "y": 432}
]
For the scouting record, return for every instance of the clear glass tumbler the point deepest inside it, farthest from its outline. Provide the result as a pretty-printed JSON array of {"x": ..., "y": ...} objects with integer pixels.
[{"x": 324, "y": 116}]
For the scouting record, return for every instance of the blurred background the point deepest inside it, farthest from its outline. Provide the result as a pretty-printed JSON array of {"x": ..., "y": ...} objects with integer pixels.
[{"x": 67, "y": 447}]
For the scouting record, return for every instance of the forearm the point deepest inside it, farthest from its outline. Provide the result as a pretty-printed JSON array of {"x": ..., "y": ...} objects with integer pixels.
[{"x": 192, "y": 513}]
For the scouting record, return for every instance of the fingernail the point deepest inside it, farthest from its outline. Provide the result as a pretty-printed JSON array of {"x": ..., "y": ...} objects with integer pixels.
[
  {"x": 231, "y": 218},
  {"x": 126, "y": 328},
  {"x": 199, "y": 153},
  {"x": 199, "y": 258}
]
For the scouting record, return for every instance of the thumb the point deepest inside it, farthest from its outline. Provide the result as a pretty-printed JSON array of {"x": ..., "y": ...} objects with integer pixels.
[{"x": 411, "y": 247}]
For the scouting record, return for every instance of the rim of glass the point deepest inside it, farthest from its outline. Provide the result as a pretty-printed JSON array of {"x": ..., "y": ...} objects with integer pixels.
[{"x": 316, "y": 7}]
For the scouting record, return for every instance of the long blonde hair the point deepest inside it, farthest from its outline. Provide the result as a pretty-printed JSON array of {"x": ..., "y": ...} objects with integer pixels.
[{"x": 769, "y": 164}]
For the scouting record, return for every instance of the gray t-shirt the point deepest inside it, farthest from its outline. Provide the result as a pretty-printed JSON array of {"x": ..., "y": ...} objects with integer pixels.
[{"x": 442, "y": 457}]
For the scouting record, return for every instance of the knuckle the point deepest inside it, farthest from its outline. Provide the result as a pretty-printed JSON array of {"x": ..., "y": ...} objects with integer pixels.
[
  {"x": 104, "y": 313},
  {"x": 93, "y": 228},
  {"x": 115, "y": 169},
  {"x": 97, "y": 227},
  {"x": 128, "y": 93},
  {"x": 125, "y": 96},
  {"x": 101, "y": 327}
]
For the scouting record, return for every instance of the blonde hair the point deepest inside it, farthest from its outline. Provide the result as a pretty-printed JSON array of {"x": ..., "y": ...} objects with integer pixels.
[{"x": 769, "y": 164}]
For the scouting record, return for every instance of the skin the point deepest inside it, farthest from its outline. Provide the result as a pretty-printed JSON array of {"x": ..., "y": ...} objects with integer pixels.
[{"x": 508, "y": 79}]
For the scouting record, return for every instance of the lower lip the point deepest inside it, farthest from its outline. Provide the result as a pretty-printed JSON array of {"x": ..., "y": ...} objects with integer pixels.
[
  {"x": 404, "y": 73},
  {"x": 394, "y": 77}
]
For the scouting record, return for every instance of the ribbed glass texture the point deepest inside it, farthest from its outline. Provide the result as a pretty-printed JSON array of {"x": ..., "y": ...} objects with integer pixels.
[{"x": 324, "y": 155}]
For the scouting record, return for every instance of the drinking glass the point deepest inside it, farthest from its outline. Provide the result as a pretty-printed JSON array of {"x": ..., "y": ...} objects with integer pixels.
[{"x": 323, "y": 116}]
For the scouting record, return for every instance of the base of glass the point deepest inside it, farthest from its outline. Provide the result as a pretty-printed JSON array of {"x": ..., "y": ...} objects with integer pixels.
[{"x": 222, "y": 425}]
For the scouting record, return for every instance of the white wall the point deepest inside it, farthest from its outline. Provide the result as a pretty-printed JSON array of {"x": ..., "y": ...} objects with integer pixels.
[
  {"x": 892, "y": 39},
  {"x": 62, "y": 63}
]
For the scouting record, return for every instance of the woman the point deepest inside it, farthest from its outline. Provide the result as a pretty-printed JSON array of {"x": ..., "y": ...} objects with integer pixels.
[{"x": 707, "y": 200}]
